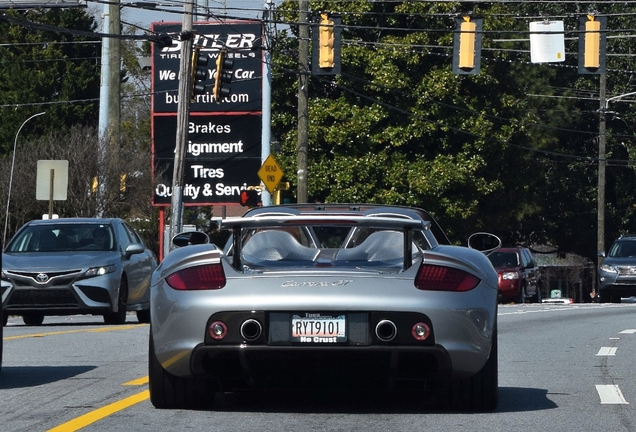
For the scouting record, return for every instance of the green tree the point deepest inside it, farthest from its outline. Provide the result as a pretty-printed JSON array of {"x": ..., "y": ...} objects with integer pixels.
[
  {"x": 59, "y": 72},
  {"x": 398, "y": 127},
  {"x": 512, "y": 150},
  {"x": 45, "y": 69}
]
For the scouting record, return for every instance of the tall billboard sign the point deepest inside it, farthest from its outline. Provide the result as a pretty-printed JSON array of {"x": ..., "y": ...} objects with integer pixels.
[{"x": 223, "y": 146}]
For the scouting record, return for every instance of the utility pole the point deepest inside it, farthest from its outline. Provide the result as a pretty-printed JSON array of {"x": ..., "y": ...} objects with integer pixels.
[
  {"x": 266, "y": 108},
  {"x": 303, "y": 93},
  {"x": 183, "y": 113},
  {"x": 601, "y": 163},
  {"x": 114, "y": 76},
  {"x": 104, "y": 112},
  {"x": 109, "y": 100}
]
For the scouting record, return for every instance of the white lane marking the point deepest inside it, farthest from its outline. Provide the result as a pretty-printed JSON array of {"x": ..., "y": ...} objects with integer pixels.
[
  {"x": 614, "y": 338},
  {"x": 610, "y": 394},
  {"x": 606, "y": 351},
  {"x": 628, "y": 331},
  {"x": 501, "y": 311}
]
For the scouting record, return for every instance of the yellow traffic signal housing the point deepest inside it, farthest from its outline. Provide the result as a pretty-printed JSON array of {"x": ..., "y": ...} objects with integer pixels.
[
  {"x": 592, "y": 44},
  {"x": 222, "y": 75},
  {"x": 326, "y": 53},
  {"x": 592, "y": 55},
  {"x": 326, "y": 46},
  {"x": 467, "y": 46},
  {"x": 198, "y": 72}
]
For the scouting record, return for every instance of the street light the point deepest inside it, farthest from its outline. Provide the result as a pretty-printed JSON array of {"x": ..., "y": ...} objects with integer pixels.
[
  {"x": 15, "y": 145},
  {"x": 613, "y": 98}
]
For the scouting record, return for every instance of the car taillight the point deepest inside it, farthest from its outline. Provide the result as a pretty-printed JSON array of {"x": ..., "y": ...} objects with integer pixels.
[
  {"x": 440, "y": 278},
  {"x": 205, "y": 277}
]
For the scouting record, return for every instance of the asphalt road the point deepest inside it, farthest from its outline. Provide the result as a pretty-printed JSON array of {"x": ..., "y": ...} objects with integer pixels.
[{"x": 561, "y": 368}]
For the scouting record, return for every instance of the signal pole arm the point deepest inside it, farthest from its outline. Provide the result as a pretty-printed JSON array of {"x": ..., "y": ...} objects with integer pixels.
[{"x": 183, "y": 112}]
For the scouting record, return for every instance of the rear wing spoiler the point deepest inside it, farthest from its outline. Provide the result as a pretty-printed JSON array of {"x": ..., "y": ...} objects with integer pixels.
[
  {"x": 406, "y": 225},
  {"x": 395, "y": 223}
]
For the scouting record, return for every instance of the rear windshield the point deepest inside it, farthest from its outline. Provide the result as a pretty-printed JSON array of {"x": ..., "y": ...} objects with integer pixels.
[
  {"x": 504, "y": 259},
  {"x": 325, "y": 247},
  {"x": 63, "y": 237}
]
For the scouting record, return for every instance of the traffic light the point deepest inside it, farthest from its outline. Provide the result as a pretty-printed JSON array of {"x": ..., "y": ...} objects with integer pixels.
[
  {"x": 198, "y": 72},
  {"x": 222, "y": 75},
  {"x": 326, "y": 54},
  {"x": 592, "y": 54},
  {"x": 326, "y": 46},
  {"x": 592, "y": 44},
  {"x": 249, "y": 198},
  {"x": 467, "y": 46}
]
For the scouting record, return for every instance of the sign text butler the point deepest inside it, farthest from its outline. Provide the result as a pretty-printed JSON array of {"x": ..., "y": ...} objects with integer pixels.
[{"x": 241, "y": 40}]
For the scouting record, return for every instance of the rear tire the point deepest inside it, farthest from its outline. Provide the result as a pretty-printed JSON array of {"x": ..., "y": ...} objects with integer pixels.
[
  {"x": 119, "y": 317},
  {"x": 537, "y": 297},
  {"x": 521, "y": 298},
  {"x": 143, "y": 316},
  {"x": 478, "y": 393},
  {"x": 169, "y": 391},
  {"x": 33, "y": 319}
]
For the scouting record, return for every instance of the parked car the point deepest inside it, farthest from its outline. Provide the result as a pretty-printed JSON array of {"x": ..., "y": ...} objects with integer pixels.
[
  {"x": 77, "y": 266},
  {"x": 617, "y": 272},
  {"x": 519, "y": 275},
  {"x": 326, "y": 297}
]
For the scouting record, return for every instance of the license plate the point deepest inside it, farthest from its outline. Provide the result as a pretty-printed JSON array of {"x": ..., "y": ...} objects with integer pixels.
[{"x": 317, "y": 328}]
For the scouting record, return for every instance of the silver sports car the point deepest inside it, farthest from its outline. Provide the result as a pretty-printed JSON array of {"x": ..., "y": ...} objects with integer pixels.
[{"x": 327, "y": 297}]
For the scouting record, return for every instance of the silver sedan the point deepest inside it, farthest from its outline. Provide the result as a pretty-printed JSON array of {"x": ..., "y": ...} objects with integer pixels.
[{"x": 77, "y": 265}]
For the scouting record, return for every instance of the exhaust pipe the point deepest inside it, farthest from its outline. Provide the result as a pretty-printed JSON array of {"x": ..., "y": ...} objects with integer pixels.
[
  {"x": 251, "y": 329},
  {"x": 386, "y": 330}
]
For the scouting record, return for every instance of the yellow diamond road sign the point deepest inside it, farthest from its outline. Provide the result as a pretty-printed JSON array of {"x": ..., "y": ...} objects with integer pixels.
[{"x": 270, "y": 173}]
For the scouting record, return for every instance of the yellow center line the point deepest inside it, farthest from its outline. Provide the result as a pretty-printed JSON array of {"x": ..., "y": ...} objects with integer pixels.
[
  {"x": 94, "y": 330},
  {"x": 139, "y": 381},
  {"x": 100, "y": 413}
]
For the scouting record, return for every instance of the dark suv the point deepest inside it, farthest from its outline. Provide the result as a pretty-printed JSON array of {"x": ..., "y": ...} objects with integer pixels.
[
  {"x": 519, "y": 276},
  {"x": 617, "y": 272}
]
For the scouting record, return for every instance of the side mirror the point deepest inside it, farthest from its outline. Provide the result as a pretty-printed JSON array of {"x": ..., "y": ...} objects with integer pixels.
[
  {"x": 601, "y": 253},
  {"x": 190, "y": 238},
  {"x": 484, "y": 242},
  {"x": 133, "y": 249}
]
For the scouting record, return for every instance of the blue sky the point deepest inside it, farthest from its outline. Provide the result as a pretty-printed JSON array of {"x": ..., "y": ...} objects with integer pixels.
[{"x": 144, "y": 17}]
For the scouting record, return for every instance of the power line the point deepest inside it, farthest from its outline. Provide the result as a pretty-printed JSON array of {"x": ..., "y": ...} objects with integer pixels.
[{"x": 50, "y": 28}]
